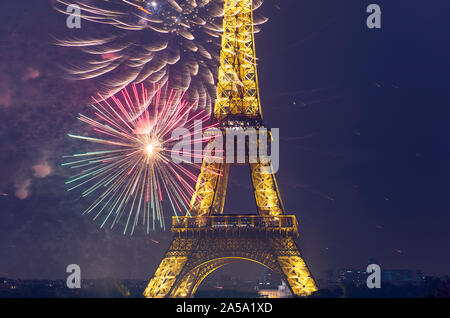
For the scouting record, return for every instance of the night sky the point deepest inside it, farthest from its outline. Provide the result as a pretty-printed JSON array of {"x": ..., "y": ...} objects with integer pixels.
[{"x": 365, "y": 141}]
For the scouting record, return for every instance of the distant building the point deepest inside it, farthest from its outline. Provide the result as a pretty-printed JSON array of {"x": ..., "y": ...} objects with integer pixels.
[
  {"x": 282, "y": 292},
  {"x": 267, "y": 276},
  {"x": 352, "y": 276},
  {"x": 402, "y": 276},
  {"x": 268, "y": 281},
  {"x": 358, "y": 277}
]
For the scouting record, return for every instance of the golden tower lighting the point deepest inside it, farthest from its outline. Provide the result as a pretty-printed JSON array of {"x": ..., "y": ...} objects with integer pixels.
[{"x": 207, "y": 239}]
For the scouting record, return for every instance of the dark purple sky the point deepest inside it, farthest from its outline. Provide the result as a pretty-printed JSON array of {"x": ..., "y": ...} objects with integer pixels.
[{"x": 363, "y": 116}]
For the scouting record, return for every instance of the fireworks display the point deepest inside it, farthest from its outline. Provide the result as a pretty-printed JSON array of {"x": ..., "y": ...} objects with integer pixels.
[
  {"x": 173, "y": 41},
  {"x": 133, "y": 172}
]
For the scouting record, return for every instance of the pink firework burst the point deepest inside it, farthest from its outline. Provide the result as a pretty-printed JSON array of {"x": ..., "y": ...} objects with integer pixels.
[{"x": 131, "y": 171}]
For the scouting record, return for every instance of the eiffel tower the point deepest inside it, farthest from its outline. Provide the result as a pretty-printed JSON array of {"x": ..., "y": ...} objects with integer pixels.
[{"x": 206, "y": 239}]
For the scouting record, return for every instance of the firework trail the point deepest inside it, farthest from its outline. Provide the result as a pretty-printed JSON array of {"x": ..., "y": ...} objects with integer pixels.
[
  {"x": 134, "y": 172},
  {"x": 174, "y": 41}
]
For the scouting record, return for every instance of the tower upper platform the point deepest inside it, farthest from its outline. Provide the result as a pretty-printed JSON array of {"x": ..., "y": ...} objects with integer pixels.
[{"x": 236, "y": 224}]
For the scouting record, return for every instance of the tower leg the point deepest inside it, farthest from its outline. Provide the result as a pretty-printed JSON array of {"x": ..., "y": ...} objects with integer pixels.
[
  {"x": 170, "y": 267},
  {"x": 209, "y": 195},
  {"x": 294, "y": 268},
  {"x": 266, "y": 191},
  {"x": 189, "y": 283}
]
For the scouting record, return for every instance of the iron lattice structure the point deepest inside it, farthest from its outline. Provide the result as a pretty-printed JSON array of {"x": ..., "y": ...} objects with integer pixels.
[{"x": 206, "y": 240}]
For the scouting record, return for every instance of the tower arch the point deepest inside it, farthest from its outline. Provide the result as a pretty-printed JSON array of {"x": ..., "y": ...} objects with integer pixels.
[{"x": 189, "y": 283}]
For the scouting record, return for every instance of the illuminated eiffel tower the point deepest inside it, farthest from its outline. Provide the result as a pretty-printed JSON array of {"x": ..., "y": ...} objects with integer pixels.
[{"x": 207, "y": 239}]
